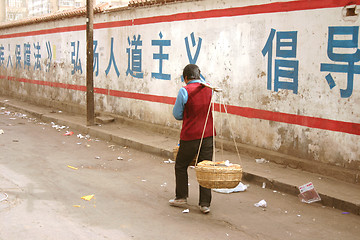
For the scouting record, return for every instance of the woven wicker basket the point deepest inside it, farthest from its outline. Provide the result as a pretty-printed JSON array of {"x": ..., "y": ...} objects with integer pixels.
[{"x": 218, "y": 176}]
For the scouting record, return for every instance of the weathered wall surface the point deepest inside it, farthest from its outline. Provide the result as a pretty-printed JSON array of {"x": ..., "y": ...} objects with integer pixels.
[{"x": 289, "y": 69}]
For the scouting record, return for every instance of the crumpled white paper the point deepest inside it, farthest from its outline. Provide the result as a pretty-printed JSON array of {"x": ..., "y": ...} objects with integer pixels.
[
  {"x": 169, "y": 161},
  {"x": 262, "y": 204}
]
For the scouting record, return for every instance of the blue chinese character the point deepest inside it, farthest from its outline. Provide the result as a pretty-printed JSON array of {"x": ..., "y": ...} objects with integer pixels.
[
  {"x": 112, "y": 60},
  {"x": 27, "y": 54},
  {"x": 161, "y": 56},
  {"x": 9, "y": 58},
  {"x": 49, "y": 58},
  {"x": 286, "y": 43},
  {"x": 2, "y": 58},
  {"x": 350, "y": 58},
  {"x": 76, "y": 62},
  {"x": 18, "y": 56},
  {"x": 193, "y": 60},
  {"x": 37, "y": 56},
  {"x": 95, "y": 59},
  {"x": 134, "y": 58}
]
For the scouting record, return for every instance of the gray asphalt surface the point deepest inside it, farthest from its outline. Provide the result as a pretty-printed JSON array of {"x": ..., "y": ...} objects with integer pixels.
[{"x": 131, "y": 191}]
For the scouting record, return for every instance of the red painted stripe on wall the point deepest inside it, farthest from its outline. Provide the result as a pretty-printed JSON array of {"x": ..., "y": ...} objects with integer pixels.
[
  {"x": 306, "y": 121},
  {"x": 217, "y": 13},
  {"x": 142, "y": 96},
  {"x": 45, "y": 31},
  {"x": 248, "y": 10}
]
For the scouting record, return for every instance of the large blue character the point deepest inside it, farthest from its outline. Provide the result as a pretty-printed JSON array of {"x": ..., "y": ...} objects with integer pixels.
[
  {"x": 75, "y": 60},
  {"x": 27, "y": 53},
  {"x": 112, "y": 60},
  {"x": 18, "y": 56},
  {"x": 9, "y": 58},
  {"x": 349, "y": 58},
  {"x": 37, "y": 56},
  {"x": 95, "y": 58},
  {"x": 134, "y": 57},
  {"x": 286, "y": 43},
  {"x": 161, "y": 56},
  {"x": 2, "y": 58},
  {"x": 49, "y": 52},
  {"x": 193, "y": 59}
]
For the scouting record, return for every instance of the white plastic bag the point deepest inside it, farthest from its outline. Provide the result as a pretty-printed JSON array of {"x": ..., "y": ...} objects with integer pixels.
[{"x": 239, "y": 188}]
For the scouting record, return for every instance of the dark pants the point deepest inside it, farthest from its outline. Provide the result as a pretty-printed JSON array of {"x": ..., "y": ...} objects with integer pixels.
[{"x": 187, "y": 151}]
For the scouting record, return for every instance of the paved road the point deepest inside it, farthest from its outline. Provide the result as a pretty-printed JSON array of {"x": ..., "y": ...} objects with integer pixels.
[{"x": 131, "y": 190}]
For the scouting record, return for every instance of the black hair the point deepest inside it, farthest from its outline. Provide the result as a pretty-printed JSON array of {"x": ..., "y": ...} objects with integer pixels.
[{"x": 191, "y": 71}]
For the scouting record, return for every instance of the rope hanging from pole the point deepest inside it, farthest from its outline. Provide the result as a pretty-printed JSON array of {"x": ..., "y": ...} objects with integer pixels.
[{"x": 212, "y": 108}]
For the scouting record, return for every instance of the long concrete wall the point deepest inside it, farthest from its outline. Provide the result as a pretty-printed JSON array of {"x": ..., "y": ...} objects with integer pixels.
[{"x": 289, "y": 70}]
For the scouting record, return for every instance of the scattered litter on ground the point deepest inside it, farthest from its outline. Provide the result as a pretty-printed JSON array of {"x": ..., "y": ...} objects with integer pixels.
[
  {"x": 169, "y": 161},
  {"x": 68, "y": 133},
  {"x": 143, "y": 180},
  {"x": 163, "y": 185},
  {"x": 15, "y": 140},
  {"x": 261, "y": 160},
  {"x": 262, "y": 204},
  {"x": 20, "y": 115},
  {"x": 88, "y": 197},
  {"x": 345, "y": 213},
  {"x": 57, "y": 127},
  {"x": 264, "y": 185},
  {"x": 78, "y": 206},
  {"x": 79, "y": 143},
  {"x": 120, "y": 158},
  {"x": 4, "y": 198},
  {"x": 75, "y": 168},
  {"x": 299, "y": 215},
  {"x": 97, "y": 157},
  {"x": 186, "y": 211},
  {"x": 1, "y": 131},
  {"x": 308, "y": 193},
  {"x": 80, "y": 136},
  {"x": 239, "y": 188}
]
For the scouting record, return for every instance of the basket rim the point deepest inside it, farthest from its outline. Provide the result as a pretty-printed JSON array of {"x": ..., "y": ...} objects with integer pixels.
[{"x": 215, "y": 169}]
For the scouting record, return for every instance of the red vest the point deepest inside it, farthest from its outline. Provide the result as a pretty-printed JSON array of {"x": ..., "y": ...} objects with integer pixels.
[{"x": 195, "y": 112}]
